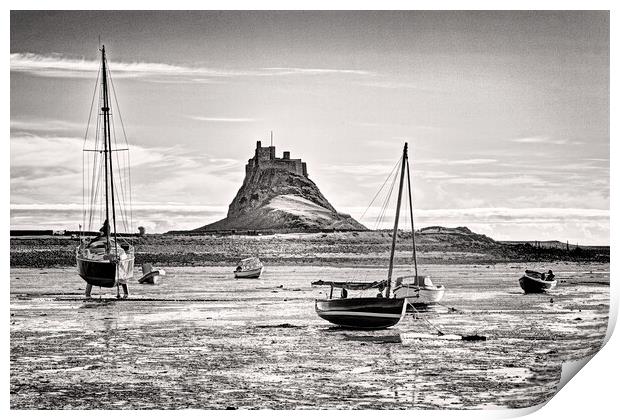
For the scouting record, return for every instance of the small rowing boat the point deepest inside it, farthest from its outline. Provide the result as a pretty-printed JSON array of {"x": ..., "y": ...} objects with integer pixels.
[
  {"x": 149, "y": 275},
  {"x": 249, "y": 268},
  {"x": 421, "y": 291},
  {"x": 536, "y": 282}
]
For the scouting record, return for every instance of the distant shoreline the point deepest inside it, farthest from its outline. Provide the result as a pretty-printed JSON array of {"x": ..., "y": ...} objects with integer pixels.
[{"x": 369, "y": 248}]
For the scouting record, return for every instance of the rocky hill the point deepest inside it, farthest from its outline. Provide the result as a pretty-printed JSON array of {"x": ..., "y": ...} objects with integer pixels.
[{"x": 278, "y": 195}]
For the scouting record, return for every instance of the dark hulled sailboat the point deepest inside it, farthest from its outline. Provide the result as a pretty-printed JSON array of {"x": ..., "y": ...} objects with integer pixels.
[
  {"x": 378, "y": 312},
  {"x": 108, "y": 259}
]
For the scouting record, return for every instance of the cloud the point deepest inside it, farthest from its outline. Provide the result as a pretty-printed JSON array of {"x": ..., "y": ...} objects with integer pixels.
[
  {"x": 156, "y": 218},
  {"x": 365, "y": 170},
  {"x": 26, "y": 125},
  {"x": 499, "y": 180},
  {"x": 282, "y": 71},
  {"x": 67, "y": 67},
  {"x": 472, "y": 161},
  {"x": 397, "y": 85},
  {"x": 165, "y": 208},
  {"x": 48, "y": 169},
  {"x": 222, "y": 119},
  {"x": 545, "y": 140},
  {"x": 503, "y": 223}
]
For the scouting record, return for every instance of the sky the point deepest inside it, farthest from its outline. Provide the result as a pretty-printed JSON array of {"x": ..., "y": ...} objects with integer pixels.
[{"x": 506, "y": 113}]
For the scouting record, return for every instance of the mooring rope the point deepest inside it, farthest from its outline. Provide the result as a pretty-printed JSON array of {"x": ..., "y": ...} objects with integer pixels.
[{"x": 424, "y": 319}]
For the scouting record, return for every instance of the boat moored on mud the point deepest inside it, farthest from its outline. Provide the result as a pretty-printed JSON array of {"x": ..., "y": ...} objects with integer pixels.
[
  {"x": 536, "y": 282},
  {"x": 420, "y": 291},
  {"x": 249, "y": 268},
  {"x": 106, "y": 260}
]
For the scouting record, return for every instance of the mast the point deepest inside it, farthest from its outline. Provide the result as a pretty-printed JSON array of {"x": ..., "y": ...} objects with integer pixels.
[
  {"x": 394, "y": 233},
  {"x": 108, "y": 150},
  {"x": 106, "y": 115},
  {"x": 415, "y": 260}
]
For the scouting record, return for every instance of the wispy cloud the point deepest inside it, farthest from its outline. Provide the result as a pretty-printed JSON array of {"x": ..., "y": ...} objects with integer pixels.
[
  {"x": 222, "y": 119},
  {"x": 396, "y": 85},
  {"x": 472, "y": 161},
  {"x": 48, "y": 169},
  {"x": 503, "y": 223},
  {"x": 156, "y": 218},
  {"x": 28, "y": 125},
  {"x": 544, "y": 140},
  {"x": 498, "y": 180},
  {"x": 136, "y": 206},
  {"x": 68, "y": 67},
  {"x": 282, "y": 71}
]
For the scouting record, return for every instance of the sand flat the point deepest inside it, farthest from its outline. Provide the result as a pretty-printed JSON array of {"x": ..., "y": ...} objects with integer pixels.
[{"x": 202, "y": 339}]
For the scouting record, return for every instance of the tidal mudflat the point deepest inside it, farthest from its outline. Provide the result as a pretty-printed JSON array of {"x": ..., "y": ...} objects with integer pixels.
[{"x": 202, "y": 339}]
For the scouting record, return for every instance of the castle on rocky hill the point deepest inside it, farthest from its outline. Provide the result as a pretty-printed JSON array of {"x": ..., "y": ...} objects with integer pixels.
[
  {"x": 265, "y": 157},
  {"x": 277, "y": 196}
]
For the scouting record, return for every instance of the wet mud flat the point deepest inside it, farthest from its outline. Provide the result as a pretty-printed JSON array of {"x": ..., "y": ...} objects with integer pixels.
[{"x": 202, "y": 339}]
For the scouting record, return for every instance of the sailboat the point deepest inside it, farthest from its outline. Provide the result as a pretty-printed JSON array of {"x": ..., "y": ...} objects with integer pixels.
[
  {"x": 382, "y": 311},
  {"x": 106, "y": 260},
  {"x": 420, "y": 291}
]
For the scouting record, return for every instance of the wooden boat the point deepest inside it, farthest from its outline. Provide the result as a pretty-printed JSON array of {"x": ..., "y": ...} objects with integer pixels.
[
  {"x": 150, "y": 276},
  {"x": 535, "y": 282},
  {"x": 249, "y": 268},
  {"x": 108, "y": 259},
  {"x": 420, "y": 291},
  {"x": 381, "y": 311}
]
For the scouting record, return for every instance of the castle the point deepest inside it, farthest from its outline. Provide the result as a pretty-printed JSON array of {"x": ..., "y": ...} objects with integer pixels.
[{"x": 265, "y": 157}]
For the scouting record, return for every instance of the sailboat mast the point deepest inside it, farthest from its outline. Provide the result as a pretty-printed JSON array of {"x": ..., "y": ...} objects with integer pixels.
[
  {"x": 107, "y": 139},
  {"x": 415, "y": 260},
  {"x": 395, "y": 232},
  {"x": 106, "y": 114}
]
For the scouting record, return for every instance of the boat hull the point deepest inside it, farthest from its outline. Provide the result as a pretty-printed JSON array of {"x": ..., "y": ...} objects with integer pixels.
[
  {"x": 533, "y": 285},
  {"x": 362, "y": 313},
  {"x": 150, "y": 278},
  {"x": 420, "y": 295},
  {"x": 249, "y": 274},
  {"x": 105, "y": 273}
]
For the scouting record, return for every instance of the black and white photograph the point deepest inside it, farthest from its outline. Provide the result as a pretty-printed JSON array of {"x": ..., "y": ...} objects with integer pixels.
[{"x": 306, "y": 209}]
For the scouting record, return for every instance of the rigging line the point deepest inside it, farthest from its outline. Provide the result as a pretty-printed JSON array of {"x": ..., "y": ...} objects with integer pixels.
[
  {"x": 378, "y": 192},
  {"x": 95, "y": 191},
  {"x": 118, "y": 169},
  {"x": 120, "y": 116},
  {"x": 382, "y": 207},
  {"x": 90, "y": 114},
  {"x": 98, "y": 162},
  {"x": 118, "y": 109},
  {"x": 415, "y": 259},
  {"x": 386, "y": 203},
  {"x": 123, "y": 190},
  {"x": 95, "y": 180},
  {"x": 130, "y": 195},
  {"x": 123, "y": 196}
]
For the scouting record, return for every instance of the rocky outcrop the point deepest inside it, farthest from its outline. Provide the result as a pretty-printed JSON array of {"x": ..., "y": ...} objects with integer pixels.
[{"x": 278, "y": 195}]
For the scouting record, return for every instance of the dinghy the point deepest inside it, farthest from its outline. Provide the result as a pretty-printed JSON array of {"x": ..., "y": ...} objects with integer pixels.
[
  {"x": 536, "y": 282},
  {"x": 420, "y": 291},
  {"x": 149, "y": 275},
  {"x": 249, "y": 268}
]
